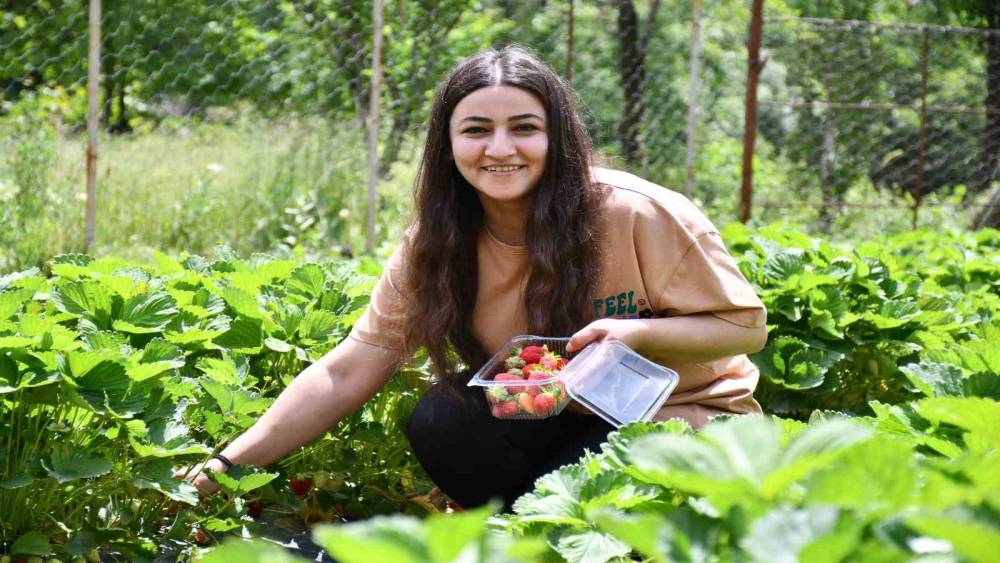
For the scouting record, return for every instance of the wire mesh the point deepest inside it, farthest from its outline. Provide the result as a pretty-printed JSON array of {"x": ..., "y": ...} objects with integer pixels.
[
  {"x": 251, "y": 114},
  {"x": 894, "y": 107}
]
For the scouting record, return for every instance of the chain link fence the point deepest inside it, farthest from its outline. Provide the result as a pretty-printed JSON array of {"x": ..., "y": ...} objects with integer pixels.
[
  {"x": 900, "y": 108},
  {"x": 244, "y": 122}
]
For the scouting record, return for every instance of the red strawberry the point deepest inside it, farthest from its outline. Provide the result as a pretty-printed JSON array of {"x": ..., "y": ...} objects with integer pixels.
[
  {"x": 544, "y": 404},
  {"x": 300, "y": 486},
  {"x": 531, "y": 354},
  {"x": 526, "y": 402},
  {"x": 200, "y": 538},
  {"x": 255, "y": 509},
  {"x": 537, "y": 376},
  {"x": 506, "y": 409},
  {"x": 549, "y": 361},
  {"x": 512, "y": 389},
  {"x": 516, "y": 371},
  {"x": 531, "y": 367},
  {"x": 562, "y": 363}
]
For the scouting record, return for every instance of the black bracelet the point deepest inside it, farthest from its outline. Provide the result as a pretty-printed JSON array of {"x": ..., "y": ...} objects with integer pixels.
[{"x": 229, "y": 464}]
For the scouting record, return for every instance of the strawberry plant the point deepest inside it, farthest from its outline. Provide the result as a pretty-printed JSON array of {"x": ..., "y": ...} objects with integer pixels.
[
  {"x": 843, "y": 324},
  {"x": 112, "y": 374}
]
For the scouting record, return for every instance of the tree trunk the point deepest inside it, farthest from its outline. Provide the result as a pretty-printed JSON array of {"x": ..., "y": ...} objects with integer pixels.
[
  {"x": 631, "y": 65},
  {"x": 989, "y": 215},
  {"x": 989, "y": 139}
]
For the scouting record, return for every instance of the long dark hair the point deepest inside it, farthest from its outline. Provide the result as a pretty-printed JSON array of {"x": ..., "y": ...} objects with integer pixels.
[{"x": 561, "y": 234}]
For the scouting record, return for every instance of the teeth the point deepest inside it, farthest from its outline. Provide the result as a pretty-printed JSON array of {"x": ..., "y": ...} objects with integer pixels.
[{"x": 502, "y": 168}]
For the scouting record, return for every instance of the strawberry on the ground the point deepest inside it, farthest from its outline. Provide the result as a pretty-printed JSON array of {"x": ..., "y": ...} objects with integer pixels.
[
  {"x": 255, "y": 509},
  {"x": 505, "y": 409},
  {"x": 512, "y": 389},
  {"x": 544, "y": 404},
  {"x": 300, "y": 486},
  {"x": 531, "y": 354},
  {"x": 200, "y": 538}
]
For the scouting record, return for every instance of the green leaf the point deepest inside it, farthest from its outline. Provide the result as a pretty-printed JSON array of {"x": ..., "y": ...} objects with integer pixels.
[
  {"x": 782, "y": 534},
  {"x": 233, "y": 399},
  {"x": 307, "y": 281},
  {"x": 934, "y": 380},
  {"x": 31, "y": 543},
  {"x": 874, "y": 476},
  {"x": 236, "y": 549},
  {"x": 167, "y": 438},
  {"x": 975, "y": 540},
  {"x": 556, "y": 498},
  {"x": 242, "y": 302},
  {"x": 650, "y": 534},
  {"x": 451, "y": 534},
  {"x": 159, "y": 476},
  {"x": 244, "y": 336},
  {"x": 241, "y": 480},
  {"x": 383, "y": 538},
  {"x": 222, "y": 370},
  {"x": 8, "y": 373},
  {"x": 87, "y": 299},
  {"x": 319, "y": 325},
  {"x": 590, "y": 546},
  {"x": 784, "y": 264},
  {"x": 12, "y": 301},
  {"x": 70, "y": 463},
  {"x": 146, "y": 313},
  {"x": 977, "y": 415},
  {"x": 277, "y": 345}
]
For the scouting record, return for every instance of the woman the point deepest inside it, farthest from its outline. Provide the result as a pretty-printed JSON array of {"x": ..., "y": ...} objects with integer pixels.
[{"x": 515, "y": 232}]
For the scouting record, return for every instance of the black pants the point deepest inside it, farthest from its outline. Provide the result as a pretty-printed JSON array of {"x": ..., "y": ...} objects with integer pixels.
[{"x": 474, "y": 457}]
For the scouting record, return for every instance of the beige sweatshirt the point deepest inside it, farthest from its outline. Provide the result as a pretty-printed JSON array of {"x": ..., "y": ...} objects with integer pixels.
[{"x": 662, "y": 257}]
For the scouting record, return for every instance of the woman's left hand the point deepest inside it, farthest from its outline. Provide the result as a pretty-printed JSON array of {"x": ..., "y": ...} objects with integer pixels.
[{"x": 629, "y": 331}]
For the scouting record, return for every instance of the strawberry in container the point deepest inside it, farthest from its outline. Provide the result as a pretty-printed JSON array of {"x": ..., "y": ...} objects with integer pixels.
[
  {"x": 522, "y": 381},
  {"x": 529, "y": 379}
]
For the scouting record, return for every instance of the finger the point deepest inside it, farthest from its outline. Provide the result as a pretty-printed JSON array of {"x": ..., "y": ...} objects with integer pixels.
[{"x": 583, "y": 337}]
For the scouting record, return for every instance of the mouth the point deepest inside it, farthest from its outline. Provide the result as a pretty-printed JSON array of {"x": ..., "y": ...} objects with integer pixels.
[{"x": 503, "y": 170}]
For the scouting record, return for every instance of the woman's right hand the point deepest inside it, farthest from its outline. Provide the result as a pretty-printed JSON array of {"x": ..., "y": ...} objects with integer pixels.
[{"x": 197, "y": 475}]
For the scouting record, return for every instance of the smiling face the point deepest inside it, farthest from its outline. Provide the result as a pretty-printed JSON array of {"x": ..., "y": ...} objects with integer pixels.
[{"x": 499, "y": 142}]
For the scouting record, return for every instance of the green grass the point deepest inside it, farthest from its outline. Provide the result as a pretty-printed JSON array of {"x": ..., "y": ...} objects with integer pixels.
[
  {"x": 254, "y": 185},
  {"x": 298, "y": 186}
]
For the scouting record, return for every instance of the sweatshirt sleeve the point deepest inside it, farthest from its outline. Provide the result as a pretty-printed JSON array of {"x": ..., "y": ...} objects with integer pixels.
[
  {"x": 382, "y": 324},
  {"x": 707, "y": 280}
]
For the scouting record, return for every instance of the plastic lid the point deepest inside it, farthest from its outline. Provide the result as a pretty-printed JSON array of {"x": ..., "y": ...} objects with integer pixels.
[{"x": 617, "y": 384}]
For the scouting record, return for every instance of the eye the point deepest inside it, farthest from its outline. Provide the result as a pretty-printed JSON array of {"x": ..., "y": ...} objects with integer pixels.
[
  {"x": 474, "y": 131},
  {"x": 525, "y": 127}
]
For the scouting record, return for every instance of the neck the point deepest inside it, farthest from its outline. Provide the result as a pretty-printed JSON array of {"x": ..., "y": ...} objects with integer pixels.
[{"x": 505, "y": 221}]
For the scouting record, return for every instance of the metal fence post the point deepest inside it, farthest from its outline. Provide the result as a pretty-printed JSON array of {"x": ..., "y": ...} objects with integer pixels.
[
  {"x": 93, "y": 92},
  {"x": 754, "y": 67}
]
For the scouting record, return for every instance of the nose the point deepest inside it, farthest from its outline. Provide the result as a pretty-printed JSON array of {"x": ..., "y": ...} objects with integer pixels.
[{"x": 501, "y": 144}]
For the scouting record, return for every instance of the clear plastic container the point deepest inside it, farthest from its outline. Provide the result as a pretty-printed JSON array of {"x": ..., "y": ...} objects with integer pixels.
[
  {"x": 617, "y": 384},
  {"x": 518, "y": 399},
  {"x": 609, "y": 378}
]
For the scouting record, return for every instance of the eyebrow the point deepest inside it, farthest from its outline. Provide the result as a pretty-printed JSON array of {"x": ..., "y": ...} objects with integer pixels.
[{"x": 479, "y": 119}]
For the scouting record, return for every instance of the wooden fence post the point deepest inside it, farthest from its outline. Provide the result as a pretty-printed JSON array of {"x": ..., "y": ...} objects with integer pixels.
[
  {"x": 694, "y": 84},
  {"x": 373, "y": 107},
  {"x": 93, "y": 92},
  {"x": 754, "y": 67}
]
